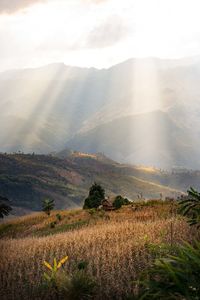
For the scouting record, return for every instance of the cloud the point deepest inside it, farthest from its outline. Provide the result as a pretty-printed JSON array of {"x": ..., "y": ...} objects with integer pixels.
[
  {"x": 11, "y": 6},
  {"x": 109, "y": 33},
  {"x": 95, "y": 1}
]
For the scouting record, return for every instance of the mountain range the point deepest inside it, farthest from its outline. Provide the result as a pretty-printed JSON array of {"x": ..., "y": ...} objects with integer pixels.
[
  {"x": 27, "y": 179},
  {"x": 141, "y": 111}
]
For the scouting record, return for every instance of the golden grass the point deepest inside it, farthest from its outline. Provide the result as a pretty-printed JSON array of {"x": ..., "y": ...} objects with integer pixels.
[{"x": 116, "y": 250}]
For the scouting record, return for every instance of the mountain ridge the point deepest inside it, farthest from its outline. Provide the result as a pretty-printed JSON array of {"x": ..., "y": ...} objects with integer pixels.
[
  {"x": 27, "y": 179},
  {"x": 43, "y": 115}
]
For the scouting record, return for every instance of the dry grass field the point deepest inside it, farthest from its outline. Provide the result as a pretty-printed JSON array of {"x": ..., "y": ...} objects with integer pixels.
[{"x": 118, "y": 246}]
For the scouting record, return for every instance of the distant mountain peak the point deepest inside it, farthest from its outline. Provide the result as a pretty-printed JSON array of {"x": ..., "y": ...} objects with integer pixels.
[{"x": 143, "y": 110}]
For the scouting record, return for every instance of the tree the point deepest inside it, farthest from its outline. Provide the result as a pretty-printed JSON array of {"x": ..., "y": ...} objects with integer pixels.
[
  {"x": 48, "y": 206},
  {"x": 119, "y": 201},
  {"x": 96, "y": 195},
  {"x": 4, "y": 208},
  {"x": 126, "y": 201}
]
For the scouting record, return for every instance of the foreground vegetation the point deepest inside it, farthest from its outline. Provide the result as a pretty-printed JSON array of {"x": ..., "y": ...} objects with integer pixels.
[
  {"x": 175, "y": 276},
  {"x": 116, "y": 248}
]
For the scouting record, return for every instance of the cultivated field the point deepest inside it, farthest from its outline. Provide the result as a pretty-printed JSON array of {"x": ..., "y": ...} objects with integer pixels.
[{"x": 118, "y": 246}]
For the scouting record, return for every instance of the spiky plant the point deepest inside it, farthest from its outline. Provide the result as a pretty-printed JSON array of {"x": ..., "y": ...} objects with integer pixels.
[
  {"x": 174, "y": 277},
  {"x": 78, "y": 286},
  {"x": 53, "y": 269},
  {"x": 4, "y": 207},
  {"x": 190, "y": 207}
]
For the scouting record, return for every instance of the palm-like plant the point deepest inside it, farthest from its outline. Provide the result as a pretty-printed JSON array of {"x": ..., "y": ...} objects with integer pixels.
[
  {"x": 190, "y": 207},
  {"x": 174, "y": 277},
  {"x": 4, "y": 208},
  {"x": 51, "y": 278},
  {"x": 48, "y": 206}
]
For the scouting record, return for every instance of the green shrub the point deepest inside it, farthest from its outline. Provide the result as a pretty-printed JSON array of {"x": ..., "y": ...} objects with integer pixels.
[
  {"x": 161, "y": 249},
  {"x": 58, "y": 217},
  {"x": 174, "y": 277},
  {"x": 190, "y": 207},
  {"x": 52, "y": 224},
  {"x": 119, "y": 201}
]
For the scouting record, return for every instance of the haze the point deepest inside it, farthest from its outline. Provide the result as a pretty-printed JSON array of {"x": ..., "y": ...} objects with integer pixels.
[
  {"x": 133, "y": 90},
  {"x": 99, "y": 33}
]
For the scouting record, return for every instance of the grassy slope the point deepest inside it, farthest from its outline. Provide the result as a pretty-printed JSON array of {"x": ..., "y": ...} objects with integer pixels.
[
  {"x": 39, "y": 224},
  {"x": 117, "y": 246},
  {"x": 27, "y": 179}
]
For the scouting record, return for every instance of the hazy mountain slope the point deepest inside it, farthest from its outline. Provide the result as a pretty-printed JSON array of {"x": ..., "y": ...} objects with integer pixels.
[
  {"x": 43, "y": 108},
  {"x": 152, "y": 139},
  {"x": 27, "y": 179},
  {"x": 53, "y": 101}
]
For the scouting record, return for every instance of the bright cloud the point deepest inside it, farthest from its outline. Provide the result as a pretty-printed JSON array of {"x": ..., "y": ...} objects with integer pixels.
[{"x": 96, "y": 33}]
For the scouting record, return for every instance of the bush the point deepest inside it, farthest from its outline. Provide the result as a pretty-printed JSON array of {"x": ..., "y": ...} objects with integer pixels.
[
  {"x": 174, "y": 277},
  {"x": 119, "y": 201}
]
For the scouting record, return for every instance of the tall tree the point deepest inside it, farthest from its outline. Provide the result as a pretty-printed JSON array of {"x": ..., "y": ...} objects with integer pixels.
[{"x": 96, "y": 195}]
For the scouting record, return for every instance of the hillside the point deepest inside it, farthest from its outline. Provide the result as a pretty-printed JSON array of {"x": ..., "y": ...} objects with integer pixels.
[
  {"x": 52, "y": 107},
  {"x": 150, "y": 139},
  {"x": 116, "y": 247},
  {"x": 26, "y": 179},
  {"x": 38, "y": 224}
]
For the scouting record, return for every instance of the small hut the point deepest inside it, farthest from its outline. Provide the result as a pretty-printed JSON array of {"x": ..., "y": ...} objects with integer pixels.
[{"x": 107, "y": 203}]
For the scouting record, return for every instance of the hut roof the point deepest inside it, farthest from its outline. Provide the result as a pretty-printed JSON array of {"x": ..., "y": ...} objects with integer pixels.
[{"x": 108, "y": 201}]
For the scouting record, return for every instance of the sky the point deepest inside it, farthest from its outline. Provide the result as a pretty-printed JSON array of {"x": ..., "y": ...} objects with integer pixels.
[{"x": 96, "y": 33}]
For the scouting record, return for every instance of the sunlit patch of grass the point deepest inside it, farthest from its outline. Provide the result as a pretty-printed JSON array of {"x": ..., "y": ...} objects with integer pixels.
[
  {"x": 39, "y": 223},
  {"x": 60, "y": 228},
  {"x": 147, "y": 169}
]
